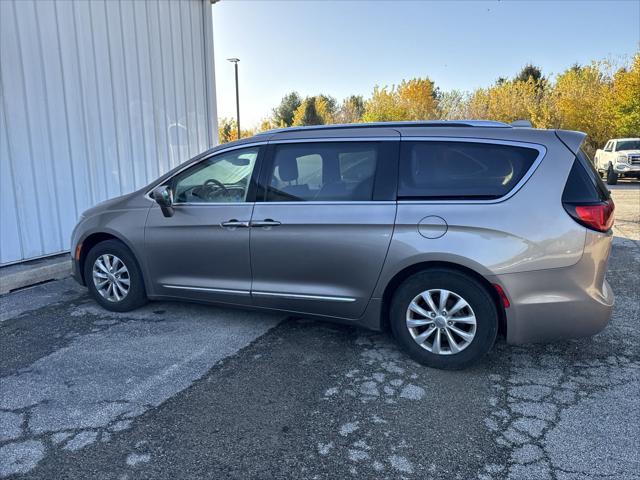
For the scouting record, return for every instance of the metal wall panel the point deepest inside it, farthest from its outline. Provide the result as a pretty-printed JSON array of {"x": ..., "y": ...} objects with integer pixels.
[{"x": 96, "y": 100}]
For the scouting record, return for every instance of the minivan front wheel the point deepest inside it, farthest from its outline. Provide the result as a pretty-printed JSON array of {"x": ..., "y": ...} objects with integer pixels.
[
  {"x": 113, "y": 277},
  {"x": 444, "y": 318}
]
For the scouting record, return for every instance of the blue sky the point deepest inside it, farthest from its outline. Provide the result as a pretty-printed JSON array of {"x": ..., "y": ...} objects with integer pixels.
[{"x": 344, "y": 48}]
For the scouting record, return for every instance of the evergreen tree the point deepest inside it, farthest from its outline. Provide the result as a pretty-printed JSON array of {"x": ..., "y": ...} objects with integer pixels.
[{"x": 283, "y": 113}]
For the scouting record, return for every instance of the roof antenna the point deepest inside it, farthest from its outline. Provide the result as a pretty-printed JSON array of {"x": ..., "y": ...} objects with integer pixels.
[{"x": 521, "y": 124}]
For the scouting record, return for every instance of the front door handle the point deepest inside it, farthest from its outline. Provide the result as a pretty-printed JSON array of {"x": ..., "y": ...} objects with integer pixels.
[
  {"x": 267, "y": 222},
  {"x": 233, "y": 223}
]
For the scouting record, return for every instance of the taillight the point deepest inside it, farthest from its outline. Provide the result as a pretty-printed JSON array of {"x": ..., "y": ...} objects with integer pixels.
[{"x": 597, "y": 216}]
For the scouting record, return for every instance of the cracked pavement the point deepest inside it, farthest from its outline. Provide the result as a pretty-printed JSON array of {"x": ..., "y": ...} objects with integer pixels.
[{"x": 176, "y": 390}]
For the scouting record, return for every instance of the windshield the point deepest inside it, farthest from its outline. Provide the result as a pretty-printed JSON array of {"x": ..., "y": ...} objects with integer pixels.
[{"x": 628, "y": 145}]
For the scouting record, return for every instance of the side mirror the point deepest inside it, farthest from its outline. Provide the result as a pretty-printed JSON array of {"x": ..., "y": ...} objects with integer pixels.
[{"x": 164, "y": 197}]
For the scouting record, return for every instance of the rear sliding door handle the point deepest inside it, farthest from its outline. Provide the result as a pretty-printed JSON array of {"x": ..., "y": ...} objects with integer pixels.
[
  {"x": 267, "y": 222},
  {"x": 233, "y": 223}
]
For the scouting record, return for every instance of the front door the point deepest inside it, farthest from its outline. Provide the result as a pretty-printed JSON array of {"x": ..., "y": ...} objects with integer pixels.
[
  {"x": 322, "y": 225},
  {"x": 202, "y": 251}
]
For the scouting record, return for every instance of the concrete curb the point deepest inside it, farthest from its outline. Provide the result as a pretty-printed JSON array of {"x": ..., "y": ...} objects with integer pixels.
[{"x": 30, "y": 273}]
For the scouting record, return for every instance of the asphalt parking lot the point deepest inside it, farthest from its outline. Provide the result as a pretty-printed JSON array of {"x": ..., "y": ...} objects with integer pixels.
[{"x": 187, "y": 391}]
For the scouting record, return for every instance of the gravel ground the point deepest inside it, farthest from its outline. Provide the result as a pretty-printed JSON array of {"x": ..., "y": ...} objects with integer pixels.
[{"x": 186, "y": 391}]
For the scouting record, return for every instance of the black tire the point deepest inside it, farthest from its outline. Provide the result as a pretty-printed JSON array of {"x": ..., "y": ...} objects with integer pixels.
[
  {"x": 467, "y": 287},
  {"x": 612, "y": 177},
  {"x": 136, "y": 296}
]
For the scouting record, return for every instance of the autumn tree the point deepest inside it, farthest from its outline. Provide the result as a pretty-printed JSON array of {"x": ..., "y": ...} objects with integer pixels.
[
  {"x": 418, "y": 99},
  {"x": 597, "y": 99},
  {"x": 453, "y": 105},
  {"x": 525, "y": 97},
  {"x": 581, "y": 99},
  {"x": 351, "y": 109},
  {"x": 283, "y": 113},
  {"x": 382, "y": 106},
  {"x": 625, "y": 100},
  {"x": 328, "y": 107},
  {"x": 310, "y": 112},
  {"x": 228, "y": 130},
  {"x": 267, "y": 124},
  {"x": 414, "y": 99},
  {"x": 506, "y": 101}
]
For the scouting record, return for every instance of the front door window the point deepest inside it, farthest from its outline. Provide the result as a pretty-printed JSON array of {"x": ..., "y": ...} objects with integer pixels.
[{"x": 223, "y": 178}]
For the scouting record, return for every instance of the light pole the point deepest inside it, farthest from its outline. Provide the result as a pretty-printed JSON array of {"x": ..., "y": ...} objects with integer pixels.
[{"x": 235, "y": 63}]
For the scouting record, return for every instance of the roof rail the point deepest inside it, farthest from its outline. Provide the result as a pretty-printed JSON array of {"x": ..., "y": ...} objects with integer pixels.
[{"x": 422, "y": 123}]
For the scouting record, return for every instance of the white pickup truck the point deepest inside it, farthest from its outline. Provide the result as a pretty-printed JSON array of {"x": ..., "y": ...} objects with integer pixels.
[{"x": 620, "y": 157}]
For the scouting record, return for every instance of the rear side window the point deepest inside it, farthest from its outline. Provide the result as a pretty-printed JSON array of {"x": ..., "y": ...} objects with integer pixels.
[
  {"x": 461, "y": 170},
  {"x": 323, "y": 171},
  {"x": 584, "y": 185}
]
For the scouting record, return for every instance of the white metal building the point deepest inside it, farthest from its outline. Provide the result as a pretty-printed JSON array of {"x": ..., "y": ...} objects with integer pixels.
[{"x": 97, "y": 98}]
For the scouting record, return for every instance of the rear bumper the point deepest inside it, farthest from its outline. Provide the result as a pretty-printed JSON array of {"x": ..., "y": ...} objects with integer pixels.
[
  {"x": 546, "y": 314},
  {"x": 560, "y": 303}
]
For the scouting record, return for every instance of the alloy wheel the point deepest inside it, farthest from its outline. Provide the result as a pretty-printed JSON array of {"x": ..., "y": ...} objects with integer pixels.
[
  {"x": 111, "y": 277},
  {"x": 441, "y": 321}
]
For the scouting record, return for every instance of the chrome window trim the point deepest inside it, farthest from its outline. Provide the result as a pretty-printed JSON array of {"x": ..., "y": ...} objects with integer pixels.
[
  {"x": 542, "y": 151},
  {"x": 189, "y": 165},
  {"x": 332, "y": 202},
  {"x": 210, "y": 204},
  {"x": 324, "y": 202},
  {"x": 300, "y": 296},
  {"x": 208, "y": 289}
]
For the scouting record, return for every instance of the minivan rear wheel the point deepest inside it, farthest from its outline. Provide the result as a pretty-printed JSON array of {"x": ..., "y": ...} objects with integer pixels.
[
  {"x": 444, "y": 318},
  {"x": 113, "y": 277}
]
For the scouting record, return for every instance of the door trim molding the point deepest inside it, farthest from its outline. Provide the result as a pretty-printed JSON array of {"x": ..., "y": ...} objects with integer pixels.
[
  {"x": 300, "y": 296},
  {"x": 295, "y": 296},
  {"x": 208, "y": 289}
]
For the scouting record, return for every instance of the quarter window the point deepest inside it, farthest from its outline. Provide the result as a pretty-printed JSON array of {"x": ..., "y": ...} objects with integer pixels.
[
  {"x": 323, "y": 171},
  {"x": 461, "y": 170},
  {"x": 221, "y": 178}
]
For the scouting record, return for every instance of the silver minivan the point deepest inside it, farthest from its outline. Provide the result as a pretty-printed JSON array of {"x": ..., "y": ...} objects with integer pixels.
[{"x": 446, "y": 233}]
